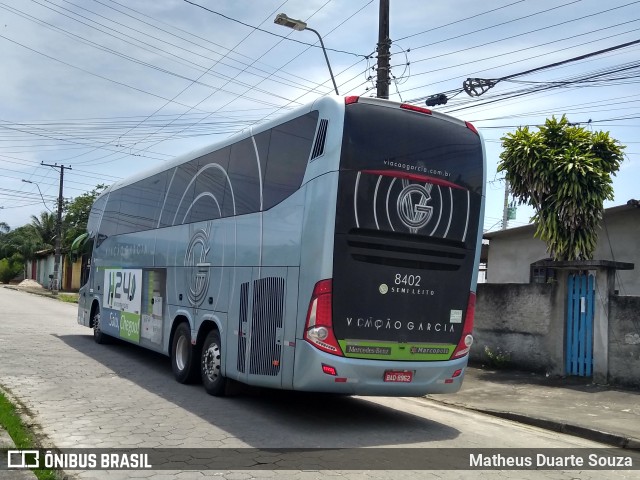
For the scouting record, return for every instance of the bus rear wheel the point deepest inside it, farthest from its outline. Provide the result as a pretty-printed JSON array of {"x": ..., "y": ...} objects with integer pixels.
[
  {"x": 183, "y": 359},
  {"x": 211, "y": 365},
  {"x": 98, "y": 336}
]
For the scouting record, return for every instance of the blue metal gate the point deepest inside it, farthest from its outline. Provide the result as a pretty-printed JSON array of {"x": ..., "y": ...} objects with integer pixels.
[{"x": 579, "y": 340}]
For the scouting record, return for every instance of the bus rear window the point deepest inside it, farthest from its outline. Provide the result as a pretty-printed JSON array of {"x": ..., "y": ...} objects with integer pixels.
[{"x": 381, "y": 138}]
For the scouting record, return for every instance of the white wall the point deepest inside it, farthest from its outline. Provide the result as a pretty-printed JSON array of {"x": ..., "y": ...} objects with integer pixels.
[{"x": 511, "y": 253}]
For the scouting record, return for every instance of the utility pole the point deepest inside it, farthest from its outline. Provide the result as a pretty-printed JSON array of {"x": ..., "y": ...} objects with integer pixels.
[
  {"x": 505, "y": 210},
  {"x": 384, "y": 53},
  {"x": 56, "y": 265}
]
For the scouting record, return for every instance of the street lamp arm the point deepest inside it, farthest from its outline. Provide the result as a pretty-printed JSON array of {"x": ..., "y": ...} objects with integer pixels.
[
  {"x": 335, "y": 87},
  {"x": 286, "y": 21},
  {"x": 40, "y": 192}
]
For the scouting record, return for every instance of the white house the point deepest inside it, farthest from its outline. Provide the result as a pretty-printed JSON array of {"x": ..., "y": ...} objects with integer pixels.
[{"x": 513, "y": 253}]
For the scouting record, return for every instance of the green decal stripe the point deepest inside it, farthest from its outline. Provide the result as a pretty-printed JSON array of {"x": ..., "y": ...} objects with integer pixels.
[
  {"x": 130, "y": 326},
  {"x": 396, "y": 351}
]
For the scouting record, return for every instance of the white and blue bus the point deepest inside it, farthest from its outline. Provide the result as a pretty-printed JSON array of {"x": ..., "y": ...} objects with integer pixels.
[{"x": 335, "y": 249}]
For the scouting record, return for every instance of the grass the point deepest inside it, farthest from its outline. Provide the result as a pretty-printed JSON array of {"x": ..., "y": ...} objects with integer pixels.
[
  {"x": 68, "y": 297},
  {"x": 21, "y": 435}
]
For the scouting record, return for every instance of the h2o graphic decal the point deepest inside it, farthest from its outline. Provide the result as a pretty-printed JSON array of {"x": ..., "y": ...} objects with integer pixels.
[{"x": 122, "y": 289}]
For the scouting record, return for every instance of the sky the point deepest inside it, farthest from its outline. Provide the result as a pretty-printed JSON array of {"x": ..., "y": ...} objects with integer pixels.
[{"x": 111, "y": 87}]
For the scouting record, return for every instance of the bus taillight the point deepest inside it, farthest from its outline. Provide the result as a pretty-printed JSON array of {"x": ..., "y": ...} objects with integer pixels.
[
  {"x": 466, "y": 339},
  {"x": 414, "y": 108},
  {"x": 318, "y": 330}
]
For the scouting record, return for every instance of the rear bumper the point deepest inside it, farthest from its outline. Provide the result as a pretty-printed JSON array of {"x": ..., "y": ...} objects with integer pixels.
[{"x": 366, "y": 377}]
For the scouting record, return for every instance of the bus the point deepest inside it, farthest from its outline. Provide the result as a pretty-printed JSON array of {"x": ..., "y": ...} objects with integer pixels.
[{"x": 335, "y": 249}]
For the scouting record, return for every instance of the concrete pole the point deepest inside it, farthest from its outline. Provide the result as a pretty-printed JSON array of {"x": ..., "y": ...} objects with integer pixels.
[
  {"x": 56, "y": 265},
  {"x": 384, "y": 53}
]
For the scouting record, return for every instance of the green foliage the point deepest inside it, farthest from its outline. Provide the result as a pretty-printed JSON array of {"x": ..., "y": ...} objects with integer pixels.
[
  {"x": 497, "y": 358},
  {"x": 564, "y": 172},
  {"x": 76, "y": 215},
  {"x": 45, "y": 227},
  {"x": 23, "y": 240},
  {"x": 10, "y": 267},
  {"x": 41, "y": 232}
]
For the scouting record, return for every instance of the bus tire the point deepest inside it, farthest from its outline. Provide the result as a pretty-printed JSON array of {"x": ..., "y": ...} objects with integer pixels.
[
  {"x": 183, "y": 360},
  {"x": 211, "y": 365},
  {"x": 98, "y": 336}
]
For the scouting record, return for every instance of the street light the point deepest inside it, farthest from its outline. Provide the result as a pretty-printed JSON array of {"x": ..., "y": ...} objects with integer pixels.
[
  {"x": 56, "y": 266},
  {"x": 299, "y": 25},
  {"x": 41, "y": 196}
]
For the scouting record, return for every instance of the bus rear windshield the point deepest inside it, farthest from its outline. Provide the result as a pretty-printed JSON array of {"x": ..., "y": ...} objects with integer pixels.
[{"x": 382, "y": 138}]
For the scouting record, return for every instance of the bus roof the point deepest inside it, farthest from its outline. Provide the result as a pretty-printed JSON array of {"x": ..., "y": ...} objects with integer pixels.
[{"x": 322, "y": 103}]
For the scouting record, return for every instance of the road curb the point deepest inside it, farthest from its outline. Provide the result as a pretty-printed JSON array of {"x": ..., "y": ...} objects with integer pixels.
[
  {"x": 607, "y": 438},
  {"x": 33, "y": 291},
  {"x": 568, "y": 428}
]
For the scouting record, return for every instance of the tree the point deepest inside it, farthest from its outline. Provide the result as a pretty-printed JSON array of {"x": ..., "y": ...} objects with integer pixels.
[
  {"x": 76, "y": 214},
  {"x": 45, "y": 227},
  {"x": 564, "y": 172},
  {"x": 22, "y": 242},
  {"x": 10, "y": 267}
]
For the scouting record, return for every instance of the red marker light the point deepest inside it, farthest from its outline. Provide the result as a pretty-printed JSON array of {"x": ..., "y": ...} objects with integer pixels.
[
  {"x": 329, "y": 370},
  {"x": 414, "y": 108}
]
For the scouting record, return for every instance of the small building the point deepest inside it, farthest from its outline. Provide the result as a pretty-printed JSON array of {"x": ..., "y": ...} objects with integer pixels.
[
  {"x": 73, "y": 265},
  {"x": 515, "y": 256}
]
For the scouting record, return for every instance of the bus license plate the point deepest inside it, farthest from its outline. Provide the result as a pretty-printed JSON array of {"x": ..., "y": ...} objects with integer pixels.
[{"x": 402, "y": 377}]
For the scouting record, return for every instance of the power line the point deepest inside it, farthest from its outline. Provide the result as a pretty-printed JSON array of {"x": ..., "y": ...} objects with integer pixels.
[
  {"x": 577, "y": 80},
  {"x": 528, "y": 58},
  {"x": 495, "y": 26},
  {"x": 523, "y": 33},
  {"x": 135, "y": 60},
  {"x": 191, "y": 34},
  {"x": 570, "y": 60},
  {"x": 473, "y": 17},
  {"x": 180, "y": 93},
  {"x": 268, "y": 32},
  {"x": 94, "y": 74},
  {"x": 299, "y": 97},
  {"x": 152, "y": 49},
  {"x": 282, "y": 80}
]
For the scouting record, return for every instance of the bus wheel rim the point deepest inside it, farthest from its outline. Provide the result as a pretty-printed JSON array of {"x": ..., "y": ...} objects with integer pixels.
[
  {"x": 211, "y": 362},
  {"x": 181, "y": 353}
]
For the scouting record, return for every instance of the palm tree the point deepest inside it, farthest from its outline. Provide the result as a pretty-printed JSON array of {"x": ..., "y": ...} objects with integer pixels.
[{"x": 45, "y": 227}]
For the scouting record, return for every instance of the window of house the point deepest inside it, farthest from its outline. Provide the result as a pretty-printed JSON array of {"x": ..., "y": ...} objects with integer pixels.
[{"x": 540, "y": 274}]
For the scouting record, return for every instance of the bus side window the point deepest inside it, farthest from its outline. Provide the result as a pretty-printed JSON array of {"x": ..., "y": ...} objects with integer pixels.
[
  {"x": 111, "y": 216},
  {"x": 289, "y": 149}
]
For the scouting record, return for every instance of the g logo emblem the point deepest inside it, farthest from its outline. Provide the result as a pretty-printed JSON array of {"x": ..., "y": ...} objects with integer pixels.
[
  {"x": 412, "y": 207},
  {"x": 197, "y": 271}
]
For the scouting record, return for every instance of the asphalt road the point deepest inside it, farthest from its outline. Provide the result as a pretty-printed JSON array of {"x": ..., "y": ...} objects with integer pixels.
[{"x": 81, "y": 394}]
